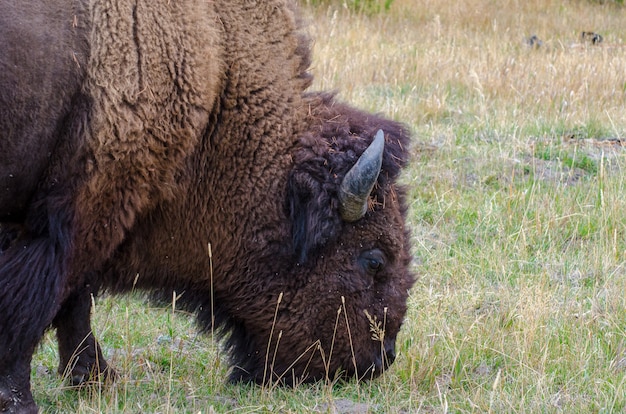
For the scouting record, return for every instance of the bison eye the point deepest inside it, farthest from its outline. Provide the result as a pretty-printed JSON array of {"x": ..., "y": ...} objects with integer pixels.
[{"x": 372, "y": 261}]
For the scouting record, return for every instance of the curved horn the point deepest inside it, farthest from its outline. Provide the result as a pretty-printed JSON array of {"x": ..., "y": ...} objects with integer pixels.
[{"x": 359, "y": 181}]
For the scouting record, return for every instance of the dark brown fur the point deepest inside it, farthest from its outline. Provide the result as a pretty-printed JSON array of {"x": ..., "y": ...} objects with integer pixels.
[{"x": 161, "y": 142}]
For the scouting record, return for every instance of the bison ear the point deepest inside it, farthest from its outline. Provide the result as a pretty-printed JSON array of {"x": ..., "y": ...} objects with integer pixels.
[{"x": 312, "y": 211}]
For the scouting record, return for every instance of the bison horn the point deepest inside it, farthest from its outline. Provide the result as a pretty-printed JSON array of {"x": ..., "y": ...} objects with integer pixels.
[{"x": 359, "y": 181}]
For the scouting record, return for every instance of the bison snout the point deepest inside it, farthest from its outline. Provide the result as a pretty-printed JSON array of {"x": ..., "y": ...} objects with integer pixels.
[
  {"x": 385, "y": 356},
  {"x": 390, "y": 353}
]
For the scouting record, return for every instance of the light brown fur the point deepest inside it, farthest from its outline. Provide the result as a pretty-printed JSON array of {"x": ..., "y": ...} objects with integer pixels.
[{"x": 154, "y": 75}]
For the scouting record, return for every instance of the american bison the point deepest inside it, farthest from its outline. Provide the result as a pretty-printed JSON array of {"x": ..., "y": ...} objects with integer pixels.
[{"x": 134, "y": 133}]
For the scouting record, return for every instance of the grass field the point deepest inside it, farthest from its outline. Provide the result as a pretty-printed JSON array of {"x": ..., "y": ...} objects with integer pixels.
[{"x": 518, "y": 214}]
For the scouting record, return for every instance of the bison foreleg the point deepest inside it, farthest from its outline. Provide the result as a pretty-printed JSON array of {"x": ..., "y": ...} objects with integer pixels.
[
  {"x": 80, "y": 356},
  {"x": 32, "y": 279}
]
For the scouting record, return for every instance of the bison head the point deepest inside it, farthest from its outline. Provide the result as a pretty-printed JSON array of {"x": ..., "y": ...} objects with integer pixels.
[{"x": 339, "y": 297}]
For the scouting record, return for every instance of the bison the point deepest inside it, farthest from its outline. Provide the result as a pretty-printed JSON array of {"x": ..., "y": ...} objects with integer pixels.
[{"x": 137, "y": 133}]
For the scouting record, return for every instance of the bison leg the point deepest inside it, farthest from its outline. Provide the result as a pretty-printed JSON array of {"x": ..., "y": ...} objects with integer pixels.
[
  {"x": 80, "y": 356},
  {"x": 31, "y": 287}
]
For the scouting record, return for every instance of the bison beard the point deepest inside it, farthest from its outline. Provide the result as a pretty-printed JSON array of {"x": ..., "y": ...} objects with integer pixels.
[{"x": 125, "y": 151}]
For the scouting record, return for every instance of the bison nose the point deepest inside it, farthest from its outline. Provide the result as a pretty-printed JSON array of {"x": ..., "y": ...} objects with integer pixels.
[{"x": 390, "y": 352}]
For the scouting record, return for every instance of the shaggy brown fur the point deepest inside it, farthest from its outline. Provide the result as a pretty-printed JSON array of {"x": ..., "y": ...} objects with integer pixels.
[{"x": 186, "y": 125}]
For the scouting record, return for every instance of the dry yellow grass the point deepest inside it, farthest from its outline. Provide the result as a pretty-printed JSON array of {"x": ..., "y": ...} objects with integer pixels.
[
  {"x": 517, "y": 196},
  {"x": 427, "y": 61}
]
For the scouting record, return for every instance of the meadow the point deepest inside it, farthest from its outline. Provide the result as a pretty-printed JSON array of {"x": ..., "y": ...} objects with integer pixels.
[{"x": 517, "y": 209}]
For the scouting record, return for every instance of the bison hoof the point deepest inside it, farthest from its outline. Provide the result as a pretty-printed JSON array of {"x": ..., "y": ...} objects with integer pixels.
[
  {"x": 83, "y": 375},
  {"x": 13, "y": 402}
]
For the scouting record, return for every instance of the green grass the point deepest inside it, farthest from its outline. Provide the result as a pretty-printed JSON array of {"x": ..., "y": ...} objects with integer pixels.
[{"x": 517, "y": 209}]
